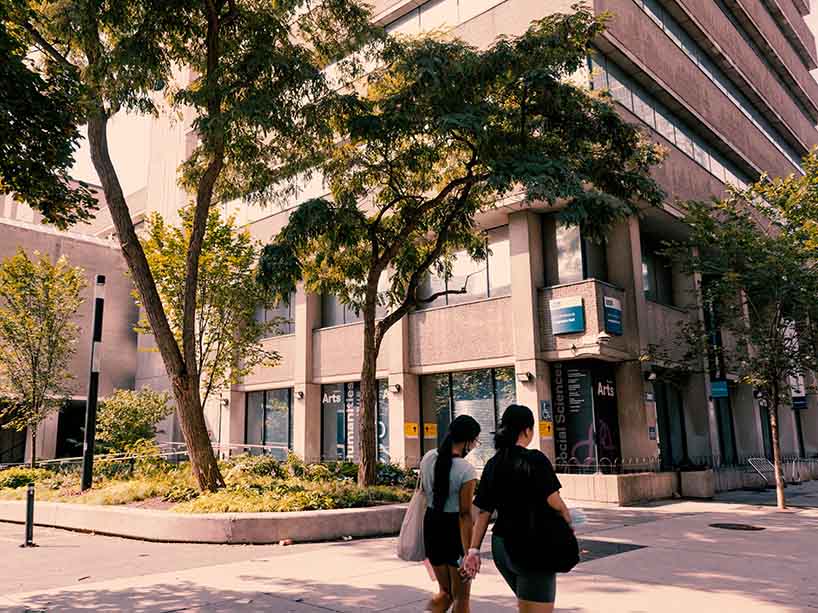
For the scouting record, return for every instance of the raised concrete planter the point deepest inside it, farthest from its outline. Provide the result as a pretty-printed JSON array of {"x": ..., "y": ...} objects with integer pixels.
[
  {"x": 619, "y": 489},
  {"x": 226, "y": 528},
  {"x": 698, "y": 484}
]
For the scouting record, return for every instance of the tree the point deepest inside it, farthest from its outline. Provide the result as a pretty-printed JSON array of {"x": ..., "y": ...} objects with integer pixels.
[
  {"x": 38, "y": 301},
  {"x": 38, "y": 127},
  {"x": 247, "y": 71},
  {"x": 227, "y": 334},
  {"x": 442, "y": 132},
  {"x": 757, "y": 255},
  {"x": 128, "y": 416}
]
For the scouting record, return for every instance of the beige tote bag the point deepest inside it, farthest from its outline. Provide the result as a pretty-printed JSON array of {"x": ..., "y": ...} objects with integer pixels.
[{"x": 410, "y": 541}]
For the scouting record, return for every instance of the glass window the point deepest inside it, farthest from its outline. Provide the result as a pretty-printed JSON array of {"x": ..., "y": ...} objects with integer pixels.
[
  {"x": 333, "y": 422},
  {"x": 664, "y": 124},
  {"x": 269, "y": 421},
  {"x": 596, "y": 260},
  {"x": 654, "y": 10},
  {"x": 277, "y": 421},
  {"x": 254, "y": 424},
  {"x": 469, "y": 275},
  {"x": 435, "y": 400},
  {"x": 569, "y": 254},
  {"x": 483, "y": 394},
  {"x": 684, "y": 141},
  {"x": 657, "y": 273},
  {"x": 383, "y": 422},
  {"x": 619, "y": 91},
  {"x": 280, "y": 316},
  {"x": 727, "y": 435},
  {"x": 499, "y": 262},
  {"x": 599, "y": 76},
  {"x": 642, "y": 107},
  {"x": 431, "y": 285},
  {"x": 334, "y": 313}
]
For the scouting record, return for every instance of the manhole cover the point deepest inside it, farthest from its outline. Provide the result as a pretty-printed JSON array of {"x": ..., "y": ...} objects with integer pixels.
[{"x": 746, "y": 527}]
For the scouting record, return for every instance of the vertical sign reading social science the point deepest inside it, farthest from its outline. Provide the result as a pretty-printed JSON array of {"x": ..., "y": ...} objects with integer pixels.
[
  {"x": 613, "y": 315},
  {"x": 567, "y": 315}
]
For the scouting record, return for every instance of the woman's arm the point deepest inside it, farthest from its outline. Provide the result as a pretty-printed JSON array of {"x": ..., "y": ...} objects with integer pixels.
[
  {"x": 466, "y": 524},
  {"x": 472, "y": 561},
  {"x": 556, "y": 502}
]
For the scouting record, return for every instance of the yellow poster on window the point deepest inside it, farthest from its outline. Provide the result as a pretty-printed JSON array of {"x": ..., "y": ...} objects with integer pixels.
[
  {"x": 430, "y": 430},
  {"x": 546, "y": 429},
  {"x": 411, "y": 429}
]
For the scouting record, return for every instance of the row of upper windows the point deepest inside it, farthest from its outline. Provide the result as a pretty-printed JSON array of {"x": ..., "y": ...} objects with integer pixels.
[
  {"x": 682, "y": 39},
  {"x": 570, "y": 258},
  {"x": 763, "y": 57},
  {"x": 606, "y": 75},
  {"x": 439, "y": 15}
]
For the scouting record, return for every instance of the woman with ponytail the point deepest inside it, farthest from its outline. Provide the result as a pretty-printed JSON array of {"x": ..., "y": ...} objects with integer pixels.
[
  {"x": 515, "y": 481},
  {"x": 448, "y": 481}
]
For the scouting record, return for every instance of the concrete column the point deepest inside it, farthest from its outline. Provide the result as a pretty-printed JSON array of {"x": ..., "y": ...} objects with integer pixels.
[
  {"x": 527, "y": 278},
  {"x": 404, "y": 405},
  {"x": 306, "y": 394},
  {"x": 236, "y": 422}
]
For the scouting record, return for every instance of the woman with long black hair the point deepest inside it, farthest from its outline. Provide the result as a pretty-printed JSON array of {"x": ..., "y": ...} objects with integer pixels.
[
  {"x": 449, "y": 481},
  {"x": 515, "y": 481}
]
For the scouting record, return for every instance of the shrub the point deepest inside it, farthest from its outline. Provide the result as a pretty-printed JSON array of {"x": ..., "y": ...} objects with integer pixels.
[
  {"x": 181, "y": 493},
  {"x": 19, "y": 476},
  {"x": 255, "y": 465},
  {"x": 392, "y": 474},
  {"x": 295, "y": 465},
  {"x": 128, "y": 416}
]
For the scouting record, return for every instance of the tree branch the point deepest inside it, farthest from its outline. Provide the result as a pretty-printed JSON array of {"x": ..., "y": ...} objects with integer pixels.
[{"x": 47, "y": 47}]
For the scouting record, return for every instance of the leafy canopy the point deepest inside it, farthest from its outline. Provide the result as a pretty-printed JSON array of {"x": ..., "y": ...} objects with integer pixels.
[
  {"x": 39, "y": 115},
  {"x": 757, "y": 254},
  {"x": 38, "y": 302},
  {"x": 442, "y": 131},
  {"x": 128, "y": 416},
  {"x": 227, "y": 334}
]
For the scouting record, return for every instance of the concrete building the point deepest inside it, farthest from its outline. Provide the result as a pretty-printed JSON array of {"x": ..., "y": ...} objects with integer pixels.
[
  {"x": 552, "y": 320},
  {"x": 60, "y": 435}
]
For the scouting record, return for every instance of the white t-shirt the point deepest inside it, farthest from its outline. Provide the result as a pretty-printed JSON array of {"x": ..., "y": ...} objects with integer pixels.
[{"x": 462, "y": 472}]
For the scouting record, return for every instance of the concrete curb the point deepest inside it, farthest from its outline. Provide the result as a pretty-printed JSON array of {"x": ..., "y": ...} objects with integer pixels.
[{"x": 222, "y": 528}]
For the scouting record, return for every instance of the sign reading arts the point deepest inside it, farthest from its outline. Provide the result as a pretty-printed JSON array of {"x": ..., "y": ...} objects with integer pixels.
[
  {"x": 567, "y": 315},
  {"x": 613, "y": 315}
]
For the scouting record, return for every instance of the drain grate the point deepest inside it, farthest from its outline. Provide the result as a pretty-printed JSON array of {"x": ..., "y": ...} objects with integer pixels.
[{"x": 745, "y": 527}]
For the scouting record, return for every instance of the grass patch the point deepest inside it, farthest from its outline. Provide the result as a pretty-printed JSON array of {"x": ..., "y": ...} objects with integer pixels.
[{"x": 253, "y": 484}]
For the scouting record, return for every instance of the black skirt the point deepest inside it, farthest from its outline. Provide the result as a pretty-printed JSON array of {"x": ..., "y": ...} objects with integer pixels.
[{"x": 441, "y": 537}]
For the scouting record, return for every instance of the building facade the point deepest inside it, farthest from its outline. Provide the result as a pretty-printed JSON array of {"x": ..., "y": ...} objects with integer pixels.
[
  {"x": 553, "y": 320},
  {"x": 61, "y": 433}
]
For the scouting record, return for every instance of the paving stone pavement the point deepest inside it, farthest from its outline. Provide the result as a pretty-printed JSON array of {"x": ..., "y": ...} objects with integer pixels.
[{"x": 662, "y": 557}]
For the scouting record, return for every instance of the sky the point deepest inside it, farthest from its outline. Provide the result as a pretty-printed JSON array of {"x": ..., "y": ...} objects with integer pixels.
[{"x": 129, "y": 142}]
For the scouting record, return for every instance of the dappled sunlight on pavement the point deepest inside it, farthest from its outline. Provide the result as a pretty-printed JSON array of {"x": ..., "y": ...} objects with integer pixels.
[{"x": 655, "y": 558}]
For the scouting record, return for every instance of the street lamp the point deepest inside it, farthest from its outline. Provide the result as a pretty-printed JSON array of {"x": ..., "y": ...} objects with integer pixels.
[{"x": 93, "y": 386}]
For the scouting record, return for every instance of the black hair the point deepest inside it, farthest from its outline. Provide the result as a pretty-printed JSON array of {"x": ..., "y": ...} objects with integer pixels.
[
  {"x": 464, "y": 428},
  {"x": 515, "y": 420}
]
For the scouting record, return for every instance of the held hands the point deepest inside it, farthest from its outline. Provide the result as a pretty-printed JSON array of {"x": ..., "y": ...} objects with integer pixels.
[{"x": 471, "y": 563}]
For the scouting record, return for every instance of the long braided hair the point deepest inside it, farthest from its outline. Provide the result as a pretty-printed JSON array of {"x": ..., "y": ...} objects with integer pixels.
[{"x": 464, "y": 428}]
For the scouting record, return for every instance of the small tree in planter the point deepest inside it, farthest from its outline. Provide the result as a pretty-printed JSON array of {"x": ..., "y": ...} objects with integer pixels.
[
  {"x": 38, "y": 302},
  {"x": 760, "y": 280},
  {"x": 128, "y": 416}
]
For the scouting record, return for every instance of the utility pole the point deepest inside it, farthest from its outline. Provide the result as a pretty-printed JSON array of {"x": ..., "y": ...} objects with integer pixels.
[{"x": 93, "y": 386}]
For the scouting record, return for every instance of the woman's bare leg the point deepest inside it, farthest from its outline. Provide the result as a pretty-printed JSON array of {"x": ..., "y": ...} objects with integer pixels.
[
  {"x": 460, "y": 592},
  {"x": 442, "y": 601},
  {"x": 527, "y": 606}
]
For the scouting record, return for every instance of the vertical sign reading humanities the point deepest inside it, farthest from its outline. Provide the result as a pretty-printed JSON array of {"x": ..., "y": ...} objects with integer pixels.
[
  {"x": 567, "y": 315},
  {"x": 613, "y": 315}
]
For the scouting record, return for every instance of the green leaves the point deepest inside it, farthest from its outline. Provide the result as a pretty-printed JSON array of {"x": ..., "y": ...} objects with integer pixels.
[
  {"x": 756, "y": 252},
  {"x": 128, "y": 416},
  {"x": 442, "y": 131},
  {"x": 38, "y": 302},
  {"x": 228, "y": 336}
]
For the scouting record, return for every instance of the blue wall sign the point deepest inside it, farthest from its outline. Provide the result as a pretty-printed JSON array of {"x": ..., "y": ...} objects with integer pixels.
[
  {"x": 613, "y": 315},
  {"x": 567, "y": 315},
  {"x": 799, "y": 403},
  {"x": 718, "y": 389}
]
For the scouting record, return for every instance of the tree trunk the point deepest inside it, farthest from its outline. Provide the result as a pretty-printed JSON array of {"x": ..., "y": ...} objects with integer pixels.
[
  {"x": 368, "y": 440},
  {"x": 33, "y": 461},
  {"x": 199, "y": 449},
  {"x": 779, "y": 473},
  {"x": 191, "y": 415}
]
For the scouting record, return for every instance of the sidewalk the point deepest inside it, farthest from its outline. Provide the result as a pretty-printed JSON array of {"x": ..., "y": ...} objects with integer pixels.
[{"x": 671, "y": 560}]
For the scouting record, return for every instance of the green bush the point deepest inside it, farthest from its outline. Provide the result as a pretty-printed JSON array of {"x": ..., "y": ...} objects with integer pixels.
[
  {"x": 128, "y": 416},
  {"x": 181, "y": 493},
  {"x": 19, "y": 476},
  {"x": 254, "y": 465}
]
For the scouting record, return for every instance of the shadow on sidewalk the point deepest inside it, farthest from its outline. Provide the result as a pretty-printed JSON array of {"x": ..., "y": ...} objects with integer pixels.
[{"x": 298, "y": 597}]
